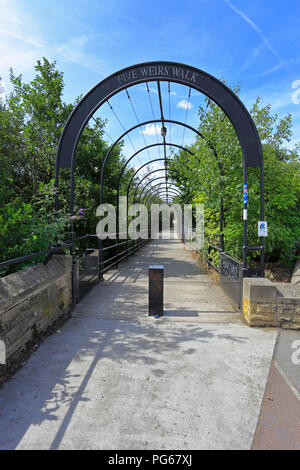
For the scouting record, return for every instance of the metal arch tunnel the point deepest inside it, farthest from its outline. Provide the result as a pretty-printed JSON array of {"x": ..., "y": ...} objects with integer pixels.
[
  {"x": 158, "y": 72},
  {"x": 161, "y": 193}
]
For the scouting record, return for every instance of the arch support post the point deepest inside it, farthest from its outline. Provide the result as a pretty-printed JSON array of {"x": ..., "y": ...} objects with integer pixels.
[
  {"x": 222, "y": 246},
  {"x": 163, "y": 71},
  {"x": 245, "y": 217}
]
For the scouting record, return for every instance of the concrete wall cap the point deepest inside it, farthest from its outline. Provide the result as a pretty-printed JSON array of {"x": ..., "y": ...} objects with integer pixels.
[
  {"x": 18, "y": 286},
  {"x": 296, "y": 273},
  {"x": 258, "y": 281},
  {"x": 259, "y": 290}
]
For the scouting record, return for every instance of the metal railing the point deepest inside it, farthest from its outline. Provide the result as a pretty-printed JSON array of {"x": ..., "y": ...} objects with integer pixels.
[
  {"x": 128, "y": 247},
  {"x": 37, "y": 254},
  {"x": 215, "y": 246},
  {"x": 231, "y": 271},
  {"x": 211, "y": 249},
  {"x": 104, "y": 259}
]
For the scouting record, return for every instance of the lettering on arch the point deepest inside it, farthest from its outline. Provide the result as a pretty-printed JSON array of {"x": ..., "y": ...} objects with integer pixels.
[
  {"x": 167, "y": 71},
  {"x": 170, "y": 72}
]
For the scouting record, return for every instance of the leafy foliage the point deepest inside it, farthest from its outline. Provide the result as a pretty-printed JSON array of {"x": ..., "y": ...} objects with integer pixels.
[
  {"x": 217, "y": 163},
  {"x": 31, "y": 122}
]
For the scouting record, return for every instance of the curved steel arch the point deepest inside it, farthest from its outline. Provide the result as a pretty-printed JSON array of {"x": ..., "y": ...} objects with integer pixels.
[
  {"x": 142, "y": 166},
  {"x": 127, "y": 191},
  {"x": 134, "y": 155},
  {"x": 156, "y": 195},
  {"x": 58, "y": 166},
  {"x": 147, "y": 147},
  {"x": 151, "y": 197},
  {"x": 145, "y": 164},
  {"x": 148, "y": 163},
  {"x": 172, "y": 191},
  {"x": 152, "y": 181},
  {"x": 152, "y": 187},
  {"x": 127, "y": 202},
  {"x": 161, "y": 200},
  {"x": 161, "y": 71},
  {"x": 150, "y": 173},
  {"x": 171, "y": 72},
  {"x": 144, "y": 148}
]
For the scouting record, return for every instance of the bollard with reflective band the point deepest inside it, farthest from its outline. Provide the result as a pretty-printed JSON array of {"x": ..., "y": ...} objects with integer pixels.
[{"x": 156, "y": 290}]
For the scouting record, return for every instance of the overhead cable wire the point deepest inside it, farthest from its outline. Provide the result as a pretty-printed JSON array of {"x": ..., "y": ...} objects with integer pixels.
[
  {"x": 163, "y": 133},
  {"x": 186, "y": 113},
  {"x": 139, "y": 122},
  {"x": 155, "y": 125},
  {"x": 205, "y": 112},
  {"x": 104, "y": 131},
  {"x": 125, "y": 130},
  {"x": 169, "y": 91}
]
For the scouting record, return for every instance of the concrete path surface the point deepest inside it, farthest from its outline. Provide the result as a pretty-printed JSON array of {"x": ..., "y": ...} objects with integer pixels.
[
  {"x": 189, "y": 293},
  {"x": 113, "y": 378}
]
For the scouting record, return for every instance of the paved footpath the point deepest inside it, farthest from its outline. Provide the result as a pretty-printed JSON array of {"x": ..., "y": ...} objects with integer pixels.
[{"x": 113, "y": 378}]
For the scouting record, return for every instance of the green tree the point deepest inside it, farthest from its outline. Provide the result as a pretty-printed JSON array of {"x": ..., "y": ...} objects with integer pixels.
[
  {"x": 31, "y": 122},
  {"x": 41, "y": 114},
  {"x": 217, "y": 162}
]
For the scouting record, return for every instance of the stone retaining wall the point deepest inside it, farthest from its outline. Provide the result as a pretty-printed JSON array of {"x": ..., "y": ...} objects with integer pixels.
[
  {"x": 31, "y": 302},
  {"x": 267, "y": 303}
]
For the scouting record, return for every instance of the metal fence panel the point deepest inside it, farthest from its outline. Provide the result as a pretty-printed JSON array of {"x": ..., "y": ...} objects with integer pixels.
[{"x": 231, "y": 276}]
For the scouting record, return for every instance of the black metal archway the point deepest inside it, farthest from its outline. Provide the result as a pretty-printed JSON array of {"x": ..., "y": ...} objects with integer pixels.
[{"x": 169, "y": 72}]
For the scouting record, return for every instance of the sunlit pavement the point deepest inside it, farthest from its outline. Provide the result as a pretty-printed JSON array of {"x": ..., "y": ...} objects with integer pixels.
[{"x": 113, "y": 378}]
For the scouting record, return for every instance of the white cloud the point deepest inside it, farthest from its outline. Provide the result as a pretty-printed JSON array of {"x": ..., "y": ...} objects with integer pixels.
[
  {"x": 33, "y": 41},
  {"x": 17, "y": 59},
  {"x": 277, "y": 99},
  {"x": 17, "y": 23},
  {"x": 21, "y": 44},
  {"x": 73, "y": 51},
  {"x": 272, "y": 70},
  {"x": 151, "y": 129},
  {"x": 184, "y": 104},
  {"x": 292, "y": 144},
  {"x": 258, "y": 30}
]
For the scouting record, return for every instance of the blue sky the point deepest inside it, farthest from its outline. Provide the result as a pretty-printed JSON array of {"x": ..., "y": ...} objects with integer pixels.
[{"x": 252, "y": 43}]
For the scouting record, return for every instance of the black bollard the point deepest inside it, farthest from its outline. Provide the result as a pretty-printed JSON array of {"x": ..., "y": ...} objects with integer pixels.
[{"x": 156, "y": 290}]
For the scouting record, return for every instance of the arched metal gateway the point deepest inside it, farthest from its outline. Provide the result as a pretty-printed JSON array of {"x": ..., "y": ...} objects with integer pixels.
[{"x": 193, "y": 78}]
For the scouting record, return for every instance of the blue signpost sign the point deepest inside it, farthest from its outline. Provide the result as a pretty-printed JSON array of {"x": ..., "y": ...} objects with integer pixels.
[{"x": 245, "y": 194}]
